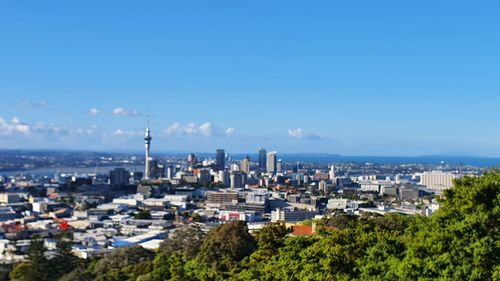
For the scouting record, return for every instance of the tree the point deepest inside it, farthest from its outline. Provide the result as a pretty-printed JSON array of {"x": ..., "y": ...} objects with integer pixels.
[
  {"x": 22, "y": 272},
  {"x": 186, "y": 241},
  {"x": 36, "y": 267},
  {"x": 39, "y": 267},
  {"x": 5, "y": 269},
  {"x": 176, "y": 267},
  {"x": 143, "y": 215},
  {"x": 460, "y": 241},
  {"x": 223, "y": 248},
  {"x": 161, "y": 267},
  {"x": 339, "y": 220},
  {"x": 270, "y": 238},
  {"x": 78, "y": 274},
  {"x": 64, "y": 260},
  {"x": 196, "y": 217},
  {"x": 124, "y": 262}
]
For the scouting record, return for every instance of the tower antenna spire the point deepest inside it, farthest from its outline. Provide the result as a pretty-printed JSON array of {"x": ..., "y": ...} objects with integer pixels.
[
  {"x": 148, "y": 116},
  {"x": 147, "y": 143}
]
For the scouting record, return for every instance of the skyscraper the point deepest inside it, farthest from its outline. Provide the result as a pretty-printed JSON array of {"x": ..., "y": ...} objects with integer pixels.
[
  {"x": 262, "y": 158},
  {"x": 236, "y": 180},
  {"x": 271, "y": 162},
  {"x": 279, "y": 166},
  {"x": 191, "y": 160},
  {"x": 245, "y": 165},
  {"x": 220, "y": 159},
  {"x": 147, "y": 142},
  {"x": 119, "y": 176},
  {"x": 169, "y": 172},
  {"x": 224, "y": 178},
  {"x": 332, "y": 173}
]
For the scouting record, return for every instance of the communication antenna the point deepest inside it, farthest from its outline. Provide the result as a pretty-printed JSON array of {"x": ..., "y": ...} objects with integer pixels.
[
  {"x": 148, "y": 116},
  {"x": 96, "y": 166}
]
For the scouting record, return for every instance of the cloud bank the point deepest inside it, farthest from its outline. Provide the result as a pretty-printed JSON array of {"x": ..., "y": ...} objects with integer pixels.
[
  {"x": 206, "y": 129},
  {"x": 124, "y": 112},
  {"x": 301, "y": 134}
]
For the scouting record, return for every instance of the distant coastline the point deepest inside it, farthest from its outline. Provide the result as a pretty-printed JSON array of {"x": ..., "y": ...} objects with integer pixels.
[{"x": 451, "y": 161}]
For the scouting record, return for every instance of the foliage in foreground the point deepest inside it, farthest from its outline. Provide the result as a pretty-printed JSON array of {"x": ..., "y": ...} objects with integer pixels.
[{"x": 459, "y": 242}]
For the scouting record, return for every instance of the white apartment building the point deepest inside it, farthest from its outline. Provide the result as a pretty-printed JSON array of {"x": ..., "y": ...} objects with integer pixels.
[{"x": 438, "y": 180}]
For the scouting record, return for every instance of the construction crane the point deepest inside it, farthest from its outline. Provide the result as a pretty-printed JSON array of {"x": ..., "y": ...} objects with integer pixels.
[{"x": 63, "y": 224}]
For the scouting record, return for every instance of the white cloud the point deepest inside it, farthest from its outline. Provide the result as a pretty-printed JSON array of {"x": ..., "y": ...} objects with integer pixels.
[
  {"x": 191, "y": 129},
  {"x": 124, "y": 112},
  {"x": 119, "y": 111},
  {"x": 50, "y": 130},
  {"x": 229, "y": 131},
  {"x": 15, "y": 126},
  {"x": 22, "y": 128},
  {"x": 94, "y": 111},
  {"x": 301, "y": 134},
  {"x": 174, "y": 129},
  {"x": 84, "y": 131},
  {"x": 125, "y": 133},
  {"x": 118, "y": 132},
  {"x": 206, "y": 129},
  {"x": 41, "y": 130}
]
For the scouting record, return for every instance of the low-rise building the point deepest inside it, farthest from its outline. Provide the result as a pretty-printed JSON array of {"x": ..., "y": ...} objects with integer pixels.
[
  {"x": 8, "y": 198},
  {"x": 292, "y": 215},
  {"x": 217, "y": 198},
  {"x": 337, "y": 204}
]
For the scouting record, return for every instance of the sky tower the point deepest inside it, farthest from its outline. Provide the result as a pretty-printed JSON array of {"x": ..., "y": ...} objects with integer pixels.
[{"x": 147, "y": 142}]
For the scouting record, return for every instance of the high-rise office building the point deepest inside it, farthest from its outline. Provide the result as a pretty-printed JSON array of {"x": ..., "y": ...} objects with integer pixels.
[
  {"x": 262, "y": 159},
  {"x": 271, "y": 162},
  {"x": 169, "y": 172},
  {"x": 191, "y": 160},
  {"x": 156, "y": 170},
  {"x": 332, "y": 173},
  {"x": 279, "y": 166},
  {"x": 223, "y": 177},
  {"x": 236, "y": 180},
  {"x": 245, "y": 165},
  {"x": 119, "y": 176},
  {"x": 306, "y": 179},
  {"x": 235, "y": 168},
  {"x": 323, "y": 187},
  {"x": 220, "y": 159}
]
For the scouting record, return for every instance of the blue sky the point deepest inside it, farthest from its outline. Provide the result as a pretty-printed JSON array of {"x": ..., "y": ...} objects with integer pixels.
[{"x": 347, "y": 77}]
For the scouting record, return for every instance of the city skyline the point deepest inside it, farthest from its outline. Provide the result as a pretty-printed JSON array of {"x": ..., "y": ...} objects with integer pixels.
[
  {"x": 249, "y": 140},
  {"x": 378, "y": 79}
]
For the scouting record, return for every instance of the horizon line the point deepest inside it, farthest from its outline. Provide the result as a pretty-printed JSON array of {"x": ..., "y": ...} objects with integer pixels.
[{"x": 241, "y": 153}]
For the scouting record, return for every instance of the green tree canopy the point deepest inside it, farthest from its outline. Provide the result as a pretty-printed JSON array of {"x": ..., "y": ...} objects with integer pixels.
[
  {"x": 186, "y": 240},
  {"x": 223, "y": 248}
]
